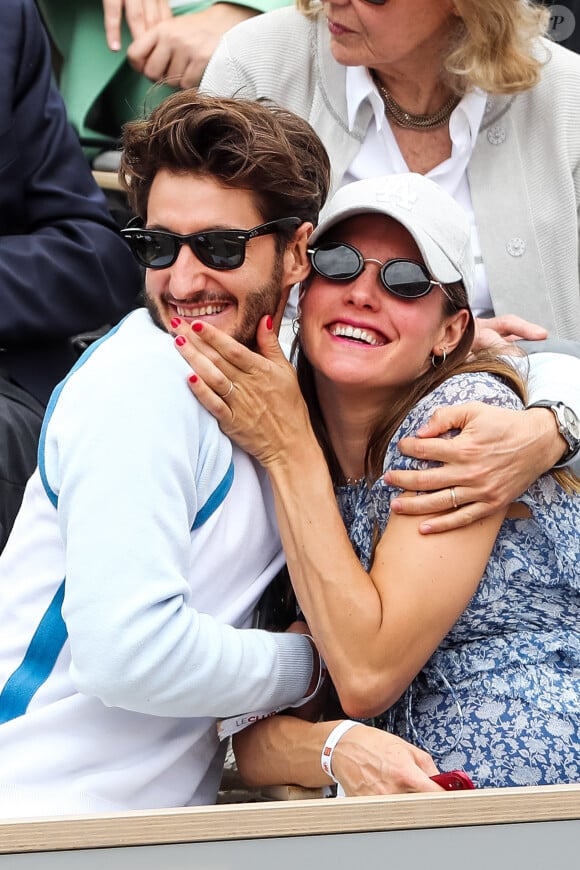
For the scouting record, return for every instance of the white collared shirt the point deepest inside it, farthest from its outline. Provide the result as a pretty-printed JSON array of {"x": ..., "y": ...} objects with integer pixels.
[{"x": 380, "y": 155}]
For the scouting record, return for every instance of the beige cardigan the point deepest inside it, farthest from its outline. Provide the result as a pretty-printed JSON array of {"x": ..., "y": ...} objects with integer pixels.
[{"x": 524, "y": 173}]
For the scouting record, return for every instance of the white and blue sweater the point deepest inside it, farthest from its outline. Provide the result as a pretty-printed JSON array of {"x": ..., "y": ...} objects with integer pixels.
[{"x": 144, "y": 542}]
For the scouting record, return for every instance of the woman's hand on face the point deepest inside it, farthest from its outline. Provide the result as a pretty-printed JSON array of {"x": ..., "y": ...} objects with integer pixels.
[
  {"x": 369, "y": 761},
  {"x": 140, "y": 15},
  {"x": 254, "y": 396},
  {"x": 496, "y": 456}
]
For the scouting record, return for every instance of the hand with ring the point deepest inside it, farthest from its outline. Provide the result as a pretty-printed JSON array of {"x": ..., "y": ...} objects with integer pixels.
[
  {"x": 225, "y": 395},
  {"x": 255, "y": 397},
  {"x": 496, "y": 456},
  {"x": 454, "y": 504}
]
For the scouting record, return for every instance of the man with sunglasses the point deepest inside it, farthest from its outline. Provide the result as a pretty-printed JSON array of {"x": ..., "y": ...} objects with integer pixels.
[{"x": 146, "y": 538}]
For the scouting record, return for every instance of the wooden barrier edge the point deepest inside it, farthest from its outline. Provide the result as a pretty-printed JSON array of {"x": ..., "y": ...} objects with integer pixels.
[{"x": 293, "y": 818}]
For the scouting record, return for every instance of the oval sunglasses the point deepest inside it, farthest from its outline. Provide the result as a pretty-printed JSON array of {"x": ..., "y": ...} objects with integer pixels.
[{"x": 405, "y": 279}]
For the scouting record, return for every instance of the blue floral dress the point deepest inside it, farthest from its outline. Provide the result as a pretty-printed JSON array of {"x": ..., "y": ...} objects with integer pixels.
[{"x": 500, "y": 697}]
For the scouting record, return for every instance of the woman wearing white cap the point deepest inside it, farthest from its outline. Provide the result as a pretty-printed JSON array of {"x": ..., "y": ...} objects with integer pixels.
[{"x": 464, "y": 643}]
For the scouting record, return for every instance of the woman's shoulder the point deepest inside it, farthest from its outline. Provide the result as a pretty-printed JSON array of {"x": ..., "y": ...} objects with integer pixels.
[
  {"x": 456, "y": 390},
  {"x": 479, "y": 386},
  {"x": 279, "y": 27},
  {"x": 560, "y": 77},
  {"x": 278, "y": 70},
  {"x": 558, "y": 58}
]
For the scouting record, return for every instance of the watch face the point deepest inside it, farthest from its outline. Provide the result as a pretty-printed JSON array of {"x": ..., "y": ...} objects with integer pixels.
[{"x": 572, "y": 423}]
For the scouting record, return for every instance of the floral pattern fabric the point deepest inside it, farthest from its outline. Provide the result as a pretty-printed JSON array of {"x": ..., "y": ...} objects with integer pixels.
[{"x": 500, "y": 697}]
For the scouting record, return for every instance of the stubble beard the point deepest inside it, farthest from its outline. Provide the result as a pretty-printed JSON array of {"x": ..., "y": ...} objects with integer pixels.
[{"x": 256, "y": 304}]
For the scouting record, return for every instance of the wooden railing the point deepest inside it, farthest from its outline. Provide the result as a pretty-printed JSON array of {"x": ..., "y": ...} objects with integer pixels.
[{"x": 525, "y": 828}]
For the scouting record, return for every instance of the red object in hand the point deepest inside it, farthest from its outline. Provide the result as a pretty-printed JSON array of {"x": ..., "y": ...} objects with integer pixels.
[{"x": 454, "y": 780}]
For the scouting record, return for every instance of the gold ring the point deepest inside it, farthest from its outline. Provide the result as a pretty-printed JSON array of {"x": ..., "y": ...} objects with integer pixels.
[
  {"x": 454, "y": 504},
  {"x": 225, "y": 395}
]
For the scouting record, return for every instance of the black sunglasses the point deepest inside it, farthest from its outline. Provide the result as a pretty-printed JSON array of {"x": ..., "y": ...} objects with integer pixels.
[
  {"x": 218, "y": 249},
  {"x": 403, "y": 278}
]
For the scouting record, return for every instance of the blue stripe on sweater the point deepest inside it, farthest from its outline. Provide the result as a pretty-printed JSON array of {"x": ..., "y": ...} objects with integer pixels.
[
  {"x": 52, "y": 404},
  {"x": 215, "y": 499},
  {"x": 41, "y": 655},
  {"x": 51, "y": 633}
]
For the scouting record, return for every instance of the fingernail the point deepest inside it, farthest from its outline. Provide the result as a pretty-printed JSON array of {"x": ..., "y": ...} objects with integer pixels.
[
  {"x": 192, "y": 379},
  {"x": 175, "y": 321},
  {"x": 180, "y": 340},
  {"x": 268, "y": 322},
  {"x": 197, "y": 326}
]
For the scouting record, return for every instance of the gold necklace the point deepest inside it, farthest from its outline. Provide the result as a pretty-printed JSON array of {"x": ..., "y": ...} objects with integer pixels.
[{"x": 416, "y": 122}]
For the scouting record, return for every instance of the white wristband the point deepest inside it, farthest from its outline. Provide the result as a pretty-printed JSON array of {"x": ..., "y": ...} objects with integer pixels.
[{"x": 330, "y": 745}]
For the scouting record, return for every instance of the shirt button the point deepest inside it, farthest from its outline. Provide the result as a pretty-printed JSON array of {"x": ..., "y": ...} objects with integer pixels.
[
  {"x": 496, "y": 135},
  {"x": 516, "y": 247}
]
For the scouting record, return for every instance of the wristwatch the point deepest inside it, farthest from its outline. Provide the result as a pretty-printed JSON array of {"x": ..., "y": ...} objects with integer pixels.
[{"x": 568, "y": 426}]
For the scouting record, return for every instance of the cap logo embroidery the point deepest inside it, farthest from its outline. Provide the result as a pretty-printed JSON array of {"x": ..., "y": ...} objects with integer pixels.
[{"x": 399, "y": 194}]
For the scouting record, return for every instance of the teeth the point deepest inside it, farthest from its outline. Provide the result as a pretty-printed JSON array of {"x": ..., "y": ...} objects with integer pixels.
[
  {"x": 355, "y": 332},
  {"x": 199, "y": 312}
]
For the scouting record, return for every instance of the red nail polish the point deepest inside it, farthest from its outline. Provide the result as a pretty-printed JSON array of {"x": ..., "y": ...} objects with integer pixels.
[
  {"x": 268, "y": 322},
  {"x": 175, "y": 321},
  {"x": 197, "y": 326},
  {"x": 180, "y": 340},
  {"x": 192, "y": 379}
]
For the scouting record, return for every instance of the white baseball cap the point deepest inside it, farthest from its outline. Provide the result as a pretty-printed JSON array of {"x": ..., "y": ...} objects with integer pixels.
[{"x": 438, "y": 224}]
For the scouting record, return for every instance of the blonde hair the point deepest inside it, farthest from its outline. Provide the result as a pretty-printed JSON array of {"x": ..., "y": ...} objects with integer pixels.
[
  {"x": 496, "y": 49},
  {"x": 492, "y": 46}
]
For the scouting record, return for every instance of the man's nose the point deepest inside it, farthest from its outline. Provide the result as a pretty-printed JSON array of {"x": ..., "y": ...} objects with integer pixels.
[{"x": 188, "y": 274}]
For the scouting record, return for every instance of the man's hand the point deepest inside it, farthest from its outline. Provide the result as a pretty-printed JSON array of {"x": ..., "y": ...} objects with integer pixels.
[
  {"x": 495, "y": 331},
  {"x": 177, "y": 50},
  {"x": 140, "y": 15},
  {"x": 493, "y": 460}
]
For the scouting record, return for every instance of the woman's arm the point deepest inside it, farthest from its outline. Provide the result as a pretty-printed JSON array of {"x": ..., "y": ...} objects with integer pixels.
[
  {"x": 375, "y": 630},
  {"x": 285, "y": 750},
  {"x": 389, "y": 620}
]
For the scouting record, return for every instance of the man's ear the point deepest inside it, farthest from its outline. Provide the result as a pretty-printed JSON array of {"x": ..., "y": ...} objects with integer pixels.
[{"x": 296, "y": 259}]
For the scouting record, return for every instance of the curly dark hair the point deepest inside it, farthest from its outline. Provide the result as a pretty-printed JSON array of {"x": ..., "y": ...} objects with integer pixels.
[{"x": 244, "y": 144}]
